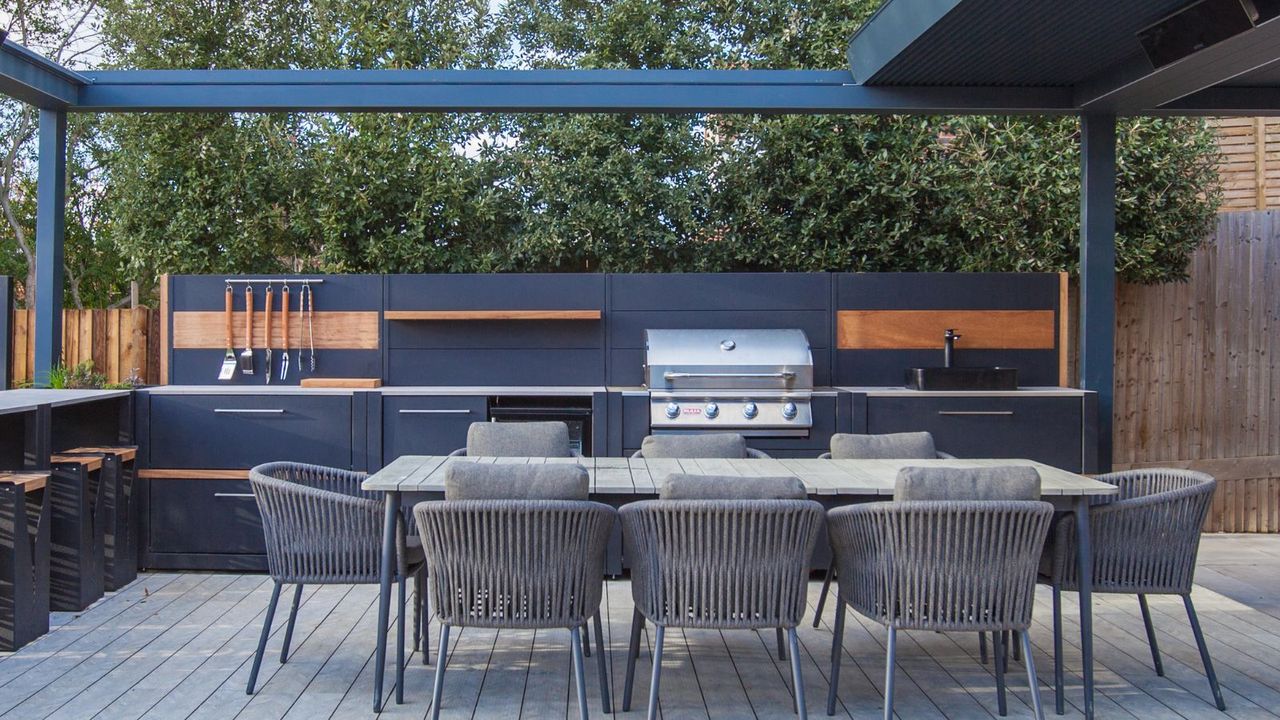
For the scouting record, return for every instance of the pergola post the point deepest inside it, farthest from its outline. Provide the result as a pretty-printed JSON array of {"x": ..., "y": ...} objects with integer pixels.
[
  {"x": 51, "y": 215},
  {"x": 1098, "y": 269}
]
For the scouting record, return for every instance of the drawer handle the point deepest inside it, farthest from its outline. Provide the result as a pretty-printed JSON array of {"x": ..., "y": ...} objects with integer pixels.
[
  {"x": 249, "y": 411},
  {"x": 440, "y": 411},
  {"x": 975, "y": 412},
  {"x": 233, "y": 495}
]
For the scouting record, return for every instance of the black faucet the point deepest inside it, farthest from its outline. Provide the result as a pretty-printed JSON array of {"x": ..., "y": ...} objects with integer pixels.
[{"x": 949, "y": 346}]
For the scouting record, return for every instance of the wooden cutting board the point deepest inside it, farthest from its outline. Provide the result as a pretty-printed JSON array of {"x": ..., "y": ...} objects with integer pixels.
[{"x": 341, "y": 382}]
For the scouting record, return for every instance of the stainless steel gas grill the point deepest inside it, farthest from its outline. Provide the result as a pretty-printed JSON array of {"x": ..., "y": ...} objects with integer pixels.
[{"x": 754, "y": 382}]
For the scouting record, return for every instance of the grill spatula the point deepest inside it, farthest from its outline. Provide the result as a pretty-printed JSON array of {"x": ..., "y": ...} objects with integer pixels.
[{"x": 228, "y": 370}]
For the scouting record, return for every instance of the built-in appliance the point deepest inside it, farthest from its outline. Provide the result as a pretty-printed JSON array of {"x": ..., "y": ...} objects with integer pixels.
[
  {"x": 572, "y": 411},
  {"x": 754, "y": 382}
]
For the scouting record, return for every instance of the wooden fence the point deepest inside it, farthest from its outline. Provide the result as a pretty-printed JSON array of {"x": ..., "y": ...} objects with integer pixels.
[
  {"x": 1249, "y": 169},
  {"x": 1198, "y": 372},
  {"x": 119, "y": 342}
]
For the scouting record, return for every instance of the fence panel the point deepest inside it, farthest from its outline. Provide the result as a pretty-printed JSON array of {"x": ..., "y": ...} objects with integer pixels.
[{"x": 119, "y": 342}]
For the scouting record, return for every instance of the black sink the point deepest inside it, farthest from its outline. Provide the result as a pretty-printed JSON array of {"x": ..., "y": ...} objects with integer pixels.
[{"x": 962, "y": 378}]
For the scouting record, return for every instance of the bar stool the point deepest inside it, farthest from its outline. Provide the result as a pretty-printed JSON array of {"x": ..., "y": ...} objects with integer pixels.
[
  {"x": 119, "y": 523},
  {"x": 24, "y": 558},
  {"x": 76, "y": 554}
]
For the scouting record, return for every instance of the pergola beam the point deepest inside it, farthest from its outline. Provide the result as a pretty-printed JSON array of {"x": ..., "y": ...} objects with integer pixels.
[
  {"x": 579, "y": 91},
  {"x": 35, "y": 80}
]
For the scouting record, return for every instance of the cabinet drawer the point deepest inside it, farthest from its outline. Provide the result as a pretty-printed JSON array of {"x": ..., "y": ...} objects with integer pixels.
[
  {"x": 240, "y": 431},
  {"x": 204, "y": 517},
  {"x": 428, "y": 425},
  {"x": 1045, "y": 429}
]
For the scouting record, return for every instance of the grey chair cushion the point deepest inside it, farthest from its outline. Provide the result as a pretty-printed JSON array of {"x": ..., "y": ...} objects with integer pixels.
[
  {"x": 711, "y": 445},
  {"x": 682, "y": 486},
  {"x": 483, "y": 481},
  {"x": 519, "y": 439},
  {"x": 1007, "y": 482},
  {"x": 891, "y": 446}
]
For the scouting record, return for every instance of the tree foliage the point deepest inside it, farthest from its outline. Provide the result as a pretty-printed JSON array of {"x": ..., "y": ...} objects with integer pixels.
[{"x": 584, "y": 192}]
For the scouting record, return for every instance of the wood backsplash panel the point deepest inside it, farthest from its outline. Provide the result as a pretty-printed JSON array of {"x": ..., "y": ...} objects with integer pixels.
[
  {"x": 334, "y": 330},
  {"x": 923, "y": 329}
]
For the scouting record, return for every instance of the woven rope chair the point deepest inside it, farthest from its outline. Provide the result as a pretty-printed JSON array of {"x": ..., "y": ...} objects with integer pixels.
[
  {"x": 321, "y": 528},
  {"x": 831, "y": 567},
  {"x": 945, "y": 566},
  {"x": 720, "y": 564},
  {"x": 751, "y": 453},
  {"x": 1145, "y": 541},
  {"x": 517, "y": 564}
]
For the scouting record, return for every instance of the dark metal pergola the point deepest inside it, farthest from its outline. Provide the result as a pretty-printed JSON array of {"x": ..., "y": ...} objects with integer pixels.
[{"x": 937, "y": 57}]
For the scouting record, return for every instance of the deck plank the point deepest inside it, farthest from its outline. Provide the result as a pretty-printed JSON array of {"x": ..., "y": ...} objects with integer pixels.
[{"x": 179, "y": 646}]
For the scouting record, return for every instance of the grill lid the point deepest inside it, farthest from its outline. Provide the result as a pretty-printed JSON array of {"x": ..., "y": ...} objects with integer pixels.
[{"x": 729, "y": 359}]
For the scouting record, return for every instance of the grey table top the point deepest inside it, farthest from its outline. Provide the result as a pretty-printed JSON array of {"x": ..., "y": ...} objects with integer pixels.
[
  {"x": 613, "y": 475},
  {"x": 22, "y": 400}
]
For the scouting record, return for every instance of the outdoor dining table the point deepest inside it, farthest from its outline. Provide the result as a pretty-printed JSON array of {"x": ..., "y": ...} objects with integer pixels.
[{"x": 833, "y": 482}]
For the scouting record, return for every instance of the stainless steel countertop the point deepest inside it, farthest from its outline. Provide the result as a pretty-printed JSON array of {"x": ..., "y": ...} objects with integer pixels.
[
  {"x": 1020, "y": 392},
  {"x": 558, "y": 390}
]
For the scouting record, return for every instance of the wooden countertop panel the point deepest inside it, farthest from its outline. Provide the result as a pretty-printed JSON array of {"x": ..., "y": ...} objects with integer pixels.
[{"x": 923, "y": 329}]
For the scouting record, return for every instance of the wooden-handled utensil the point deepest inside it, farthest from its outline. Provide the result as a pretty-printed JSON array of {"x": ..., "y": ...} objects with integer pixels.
[
  {"x": 284, "y": 327},
  {"x": 228, "y": 370},
  {"x": 246, "y": 356},
  {"x": 270, "y": 294}
]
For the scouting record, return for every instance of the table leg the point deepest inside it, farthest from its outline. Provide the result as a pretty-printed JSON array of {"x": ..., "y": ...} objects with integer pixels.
[
  {"x": 1084, "y": 563},
  {"x": 384, "y": 596}
]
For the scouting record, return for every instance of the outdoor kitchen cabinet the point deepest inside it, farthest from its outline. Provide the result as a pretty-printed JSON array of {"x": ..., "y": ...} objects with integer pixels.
[
  {"x": 197, "y": 447},
  {"x": 428, "y": 424},
  {"x": 1048, "y": 429}
]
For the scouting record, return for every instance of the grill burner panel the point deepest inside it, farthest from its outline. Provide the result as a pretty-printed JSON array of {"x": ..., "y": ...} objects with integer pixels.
[{"x": 755, "y": 382}]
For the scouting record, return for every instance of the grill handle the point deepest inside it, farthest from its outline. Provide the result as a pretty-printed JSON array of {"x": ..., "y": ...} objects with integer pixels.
[{"x": 784, "y": 375}]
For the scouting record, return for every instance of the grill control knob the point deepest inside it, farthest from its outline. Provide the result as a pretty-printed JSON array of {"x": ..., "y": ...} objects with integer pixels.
[
  {"x": 712, "y": 411},
  {"x": 673, "y": 410},
  {"x": 789, "y": 411},
  {"x": 749, "y": 411}
]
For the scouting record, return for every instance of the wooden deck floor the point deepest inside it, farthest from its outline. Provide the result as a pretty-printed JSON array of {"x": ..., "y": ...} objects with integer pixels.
[{"x": 179, "y": 646}]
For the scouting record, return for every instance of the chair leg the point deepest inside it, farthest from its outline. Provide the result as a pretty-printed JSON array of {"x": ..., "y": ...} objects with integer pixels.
[
  {"x": 1017, "y": 649},
  {"x": 1059, "y": 702},
  {"x": 288, "y": 629},
  {"x": 782, "y": 644},
  {"x": 424, "y": 609},
  {"x": 437, "y": 690},
  {"x": 579, "y": 676},
  {"x": 1032, "y": 682},
  {"x": 837, "y": 651},
  {"x": 982, "y": 647},
  {"x": 998, "y": 640},
  {"x": 262, "y": 639},
  {"x": 656, "y": 679},
  {"x": 601, "y": 665},
  {"x": 633, "y": 652},
  {"x": 400, "y": 644},
  {"x": 417, "y": 616},
  {"x": 826, "y": 588},
  {"x": 797, "y": 678},
  {"x": 1151, "y": 635},
  {"x": 891, "y": 659},
  {"x": 1204, "y": 652},
  {"x": 586, "y": 644}
]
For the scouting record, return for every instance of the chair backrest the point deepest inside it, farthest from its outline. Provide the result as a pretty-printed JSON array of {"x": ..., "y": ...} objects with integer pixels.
[
  {"x": 515, "y": 563},
  {"x": 1147, "y": 539},
  {"x": 518, "y": 439},
  {"x": 941, "y": 565},
  {"x": 319, "y": 526},
  {"x": 704, "y": 445},
  {"x": 1006, "y": 482},
  {"x": 889, "y": 446},
  {"x": 721, "y": 563},
  {"x": 464, "y": 480},
  {"x": 683, "y": 486}
]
